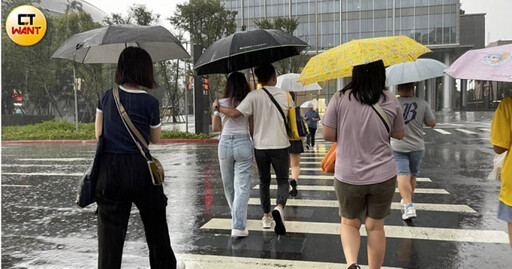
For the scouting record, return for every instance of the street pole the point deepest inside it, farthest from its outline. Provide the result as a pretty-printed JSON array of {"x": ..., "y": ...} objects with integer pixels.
[
  {"x": 76, "y": 94},
  {"x": 186, "y": 98},
  {"x": 316, "y": 25}
]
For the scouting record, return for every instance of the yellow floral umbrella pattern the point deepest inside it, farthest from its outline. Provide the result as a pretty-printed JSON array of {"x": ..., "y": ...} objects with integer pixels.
[{"x": 339, "y": 61}]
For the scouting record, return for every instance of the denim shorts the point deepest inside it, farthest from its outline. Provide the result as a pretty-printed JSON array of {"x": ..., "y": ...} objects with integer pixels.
[
  {"x": 504, "y": 212},
  {"x": 408, "y": 163}
]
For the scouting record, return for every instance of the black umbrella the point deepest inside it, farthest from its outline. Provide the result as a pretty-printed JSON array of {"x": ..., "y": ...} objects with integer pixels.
[{"x": 248, "y": 49}]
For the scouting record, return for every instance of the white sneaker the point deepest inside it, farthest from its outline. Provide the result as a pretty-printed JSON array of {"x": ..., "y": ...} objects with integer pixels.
[
  {"x": 267, "y": 222},
  {"x": 278, "y": 215},
  {"x": 180, "y": 265},
  {"x": 409, "y": 212},
  {"x": 239, "y": 233}
]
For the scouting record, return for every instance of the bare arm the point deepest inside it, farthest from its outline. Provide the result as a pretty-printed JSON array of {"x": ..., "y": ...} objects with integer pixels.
[
  {"x": 499, "y": 150},
  {"x": 329, "y": 134},
  {"x": 230, "y": 112},
  {"x": 216, "y": 123},
  {"x": 251, "y": 125},
  {"x": 98, "y": 124},
  {"x": 154, "y": 134},
  {"x": 398, "y": 135},
  {"x": 431, "y": 124}
]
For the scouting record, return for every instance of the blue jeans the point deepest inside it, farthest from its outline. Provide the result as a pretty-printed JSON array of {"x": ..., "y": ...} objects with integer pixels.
[
  {"x": 235, "y": 158},
  {"x": 408, "y": 163}
]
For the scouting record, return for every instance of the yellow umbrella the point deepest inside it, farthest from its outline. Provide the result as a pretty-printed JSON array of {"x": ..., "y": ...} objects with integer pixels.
[{"x": 339, "y": 61}]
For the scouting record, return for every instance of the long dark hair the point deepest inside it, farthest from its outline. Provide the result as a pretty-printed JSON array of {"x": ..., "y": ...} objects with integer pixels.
[
  {"x": 135, "y": 67},
  {"x": 368, "y": 83},
  {"x": 237, "y": 88}
]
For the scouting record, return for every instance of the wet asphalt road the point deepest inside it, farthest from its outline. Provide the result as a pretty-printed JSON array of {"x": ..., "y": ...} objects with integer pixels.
[{"x": 42, "y": 228}]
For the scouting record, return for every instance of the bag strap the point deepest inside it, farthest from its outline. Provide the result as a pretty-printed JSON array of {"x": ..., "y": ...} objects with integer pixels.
[
  {"x": 383, "y": 116},
  {"x": 278, "y": 107},
  {"x": 130, "y": 127}
]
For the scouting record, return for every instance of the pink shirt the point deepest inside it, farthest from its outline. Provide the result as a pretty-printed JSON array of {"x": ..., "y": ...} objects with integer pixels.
[{"x": 363, "y": 155}]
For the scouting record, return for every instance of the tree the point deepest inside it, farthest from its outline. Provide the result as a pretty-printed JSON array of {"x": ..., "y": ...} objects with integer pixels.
[
  {"x": 288, "y": 25},
  {"x": 73, "y": 5},
  {"x": 206, "y": 20},
  {"x": 138, "y": 12}
]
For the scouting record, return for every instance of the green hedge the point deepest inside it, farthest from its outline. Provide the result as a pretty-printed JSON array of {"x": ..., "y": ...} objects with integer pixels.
[{"x": 63, "y": 130}]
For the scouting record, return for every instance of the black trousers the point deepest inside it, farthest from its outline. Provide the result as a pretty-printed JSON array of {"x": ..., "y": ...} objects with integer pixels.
[
  {"x": 311, "y": 137},
  {"x": 124, "y": 179},
  {"x": 280, "y": 161}
]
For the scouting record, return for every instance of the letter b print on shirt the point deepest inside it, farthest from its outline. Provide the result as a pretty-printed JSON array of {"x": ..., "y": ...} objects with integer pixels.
[{"x": 410, "y": 111}]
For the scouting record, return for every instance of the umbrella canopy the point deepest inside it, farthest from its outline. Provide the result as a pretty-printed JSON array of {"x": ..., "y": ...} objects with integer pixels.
[
  {"x": 418, "y": 70},
  {"x": 104, "y": 45},
  {"x": 313, "y": 103},
  {"x": 339, "y": 61},
  {"x": 288, "y": 82},
  {"x": 248, "y": 49},
  {"x": 494, "y": 64}
]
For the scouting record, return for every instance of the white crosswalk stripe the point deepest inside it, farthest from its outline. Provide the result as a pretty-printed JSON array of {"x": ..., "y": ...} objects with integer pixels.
[
  {"x": 54, "y": 159},
  {"x": 395, "y": 205},
  {"x": 331, "y": 176},
  {"x": 465, "y": 131},
  {"x": 233, "y": 262},
  {"x": 442, "y": 131},
  {"x": 42, "y": 174},
  {"x": 410, "y": 232},
  {"x": 331, "y": 188}
]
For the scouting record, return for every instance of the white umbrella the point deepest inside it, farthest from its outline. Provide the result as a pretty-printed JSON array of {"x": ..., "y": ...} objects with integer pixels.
[
  {"x": 418, "y": 70},
  {"x": 313, "y": 103},
  {"x": 288, "y": 82}
]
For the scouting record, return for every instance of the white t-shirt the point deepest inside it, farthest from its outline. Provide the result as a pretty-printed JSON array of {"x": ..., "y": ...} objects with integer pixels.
[
  {"x": 233, "y": 126},
  {"x": 269, "y": 129}
]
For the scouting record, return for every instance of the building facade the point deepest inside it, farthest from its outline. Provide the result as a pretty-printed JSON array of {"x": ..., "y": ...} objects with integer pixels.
[{"x": 327, "y": 23}]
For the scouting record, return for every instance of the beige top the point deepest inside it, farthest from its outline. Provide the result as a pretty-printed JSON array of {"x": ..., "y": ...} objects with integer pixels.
[{"x": 269, "y": 129}]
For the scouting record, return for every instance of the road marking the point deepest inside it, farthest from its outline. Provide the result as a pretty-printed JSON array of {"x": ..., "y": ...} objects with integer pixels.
[
  {"x": 310, "y": 163},
  {"x": 485, "y": 130},
  {"x": 442, "y": 131},
  {"x": 331, "y": 188},
  {"x": 319, "y": 158},
  {"x": 233, "y": 262},
  {"x": 331, "y": 176},
  {"x": 465, "y": 131},
  {"x": 19, "y": 186},
  {"x": 44, "y": 174},
  {"x": 410, "y": 232},
  {"x": 56, "y": 159},
  {"x": 43, "y": 165},
  {"x": 395, "y": 205}
]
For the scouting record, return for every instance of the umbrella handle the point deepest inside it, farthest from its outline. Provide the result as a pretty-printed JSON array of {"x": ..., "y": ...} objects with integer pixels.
[{"x": 253, "y": 78}]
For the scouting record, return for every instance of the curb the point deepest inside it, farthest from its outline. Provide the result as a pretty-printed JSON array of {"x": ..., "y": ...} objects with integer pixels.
[{"x": 162, "y": 141}]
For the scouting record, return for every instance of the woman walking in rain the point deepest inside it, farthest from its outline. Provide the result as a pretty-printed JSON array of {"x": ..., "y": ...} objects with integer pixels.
[
  {"x": 365, "y": 172},
  {"x": 235, "y": 153},
  {"x": 501, "y": 138},
  {"x": 124, "y": 177}
]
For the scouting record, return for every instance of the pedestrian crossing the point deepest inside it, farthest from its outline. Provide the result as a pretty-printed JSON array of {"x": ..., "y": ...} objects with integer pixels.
[
  {"x": 407, "y": 232},
  {"x": 331, "y": 188},
  {"x": 296, "y": 224},
  {"x": 316, "y": 194}
]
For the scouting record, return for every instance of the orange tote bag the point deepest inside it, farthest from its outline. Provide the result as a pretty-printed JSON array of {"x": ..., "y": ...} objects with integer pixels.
[{"x": 329, "y": 160}]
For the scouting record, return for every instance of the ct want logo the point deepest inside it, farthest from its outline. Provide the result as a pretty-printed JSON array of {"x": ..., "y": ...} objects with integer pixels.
[{"x": 25, "y": 25}]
